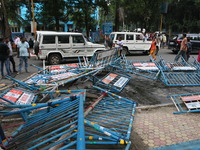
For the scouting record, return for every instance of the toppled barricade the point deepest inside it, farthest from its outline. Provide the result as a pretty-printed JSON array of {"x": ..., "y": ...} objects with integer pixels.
[
  {"x": 186, "y": 102},
  {"x": 55, "y": 119},
  {"x": 60, "y": 122}
]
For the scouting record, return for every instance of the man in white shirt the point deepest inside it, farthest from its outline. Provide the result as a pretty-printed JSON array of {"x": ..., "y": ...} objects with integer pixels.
[
  {"x": 24, "y": 54},
  {"x": 119, "y": 46}
]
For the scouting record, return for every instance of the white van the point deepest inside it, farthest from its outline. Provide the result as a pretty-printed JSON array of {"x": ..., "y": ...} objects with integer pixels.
[
  {"x": 133, "y": 41},
  {"x": 56, "y": 46}
]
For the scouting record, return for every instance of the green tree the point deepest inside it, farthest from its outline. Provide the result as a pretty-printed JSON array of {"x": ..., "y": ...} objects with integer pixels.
[
  {"x": 51, "y": 13},
  {"x": 9, "y": 13},
  {"x": 83, "y": 14},
  {"x": 183, "y": 16}
]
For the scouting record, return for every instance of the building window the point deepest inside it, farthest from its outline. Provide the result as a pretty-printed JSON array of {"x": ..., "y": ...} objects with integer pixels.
[{"x": 15, "y": 29}]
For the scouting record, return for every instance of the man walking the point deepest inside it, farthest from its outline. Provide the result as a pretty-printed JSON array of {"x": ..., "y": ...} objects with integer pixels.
[
  {"x": 183, "y": 49},
  {"x": 4, "y": 55}
]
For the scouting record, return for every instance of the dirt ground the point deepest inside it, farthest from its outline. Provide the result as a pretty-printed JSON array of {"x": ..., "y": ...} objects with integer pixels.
[{"x": 151, "y": 92}]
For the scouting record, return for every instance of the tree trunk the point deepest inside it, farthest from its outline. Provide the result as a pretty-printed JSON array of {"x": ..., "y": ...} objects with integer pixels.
[
  {"x": 4, "y": 25},
  {"x": 57, "y": 24},
  {"x": 86, "y": 24},
  {"x": 116, "y": 16}
]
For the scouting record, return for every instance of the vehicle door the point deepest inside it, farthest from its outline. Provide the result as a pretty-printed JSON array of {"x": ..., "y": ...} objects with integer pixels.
[
  {"x": 130, "y": 41},
  {"x": 140, "y": 43},
  {"x": 117, "y": 38},
  {"x": 78, "y": 46},
  {"x": 64, "y": 44}
]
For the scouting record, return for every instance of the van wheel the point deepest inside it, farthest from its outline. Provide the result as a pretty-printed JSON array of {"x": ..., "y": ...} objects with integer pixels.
[
  {"x": 125, "y": 51},
  {"x": 54, "y": 59}
]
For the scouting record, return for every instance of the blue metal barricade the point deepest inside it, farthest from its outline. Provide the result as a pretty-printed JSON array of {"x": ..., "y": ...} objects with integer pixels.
[
  {"x": 177, "y": 66},
  {"x": 18, "y": 96},
  {"x": 180, "y": 79},
  {"x": 50, "y": 121},
  {"x": 186, "y": 102},
  {"x": 114, "y": 81},
  {"x": 147, "y": 69},
  {"x": 110, "y": 121},
  {"x": 103, "y": 59}
]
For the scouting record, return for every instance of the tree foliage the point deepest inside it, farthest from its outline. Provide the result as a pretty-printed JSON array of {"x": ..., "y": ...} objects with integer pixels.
[{"x": 182, "y": 15}]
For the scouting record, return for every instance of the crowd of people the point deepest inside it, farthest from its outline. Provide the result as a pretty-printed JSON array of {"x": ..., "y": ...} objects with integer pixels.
[{"x": 22, "y": 48}]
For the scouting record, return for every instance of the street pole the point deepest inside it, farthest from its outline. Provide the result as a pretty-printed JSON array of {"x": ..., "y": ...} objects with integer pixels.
[{"x": 33, "y": 17}]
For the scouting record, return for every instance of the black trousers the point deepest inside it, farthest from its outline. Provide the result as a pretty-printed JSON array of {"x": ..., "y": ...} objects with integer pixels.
[{"x": 13, "y": 63}]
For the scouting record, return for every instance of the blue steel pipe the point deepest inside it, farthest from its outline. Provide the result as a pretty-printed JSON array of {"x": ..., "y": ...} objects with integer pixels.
[{"x": 81, "y": 130}]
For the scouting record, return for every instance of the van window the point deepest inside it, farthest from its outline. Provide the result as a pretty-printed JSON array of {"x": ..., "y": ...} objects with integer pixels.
[
  {"x": 129, "y": 37},
  {"x": 122, "y": 36},
  {"x": 49, "y": 39},
  {"x": 78, "y": 39},
  {"x": 139, "y": 37},
  {"x": 63, "y": 39}
]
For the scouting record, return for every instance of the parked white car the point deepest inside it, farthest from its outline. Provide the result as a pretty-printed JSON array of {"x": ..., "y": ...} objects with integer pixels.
[
  {"x": 56, "y": 46},
  {"x": 132, "y": 42}
]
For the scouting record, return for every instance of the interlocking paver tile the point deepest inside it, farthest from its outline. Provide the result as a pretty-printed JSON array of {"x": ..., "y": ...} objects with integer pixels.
[{"x": 160, "y": 127}]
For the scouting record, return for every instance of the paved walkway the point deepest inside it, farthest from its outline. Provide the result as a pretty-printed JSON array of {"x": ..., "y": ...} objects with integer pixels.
[{"x": 159, "y": 127}]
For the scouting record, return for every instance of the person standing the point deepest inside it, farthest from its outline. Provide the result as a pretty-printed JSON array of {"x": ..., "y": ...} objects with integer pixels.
[
  {"x": 119, "y": 46},
  {"x": 158, "y": 43},
  {"x": 31, "y": 43},
  {"x": 24, "y": 54},
  {"x": 153, "y": 49},
  {"x": 16, "y": 41},
  {"x": 183, "y": 49},
  {"x": 8, "y": 43},
  {"x": 164, "y": 40},
  {"x": 4, "y": 56},
  {"x": 189, "y": 48}
]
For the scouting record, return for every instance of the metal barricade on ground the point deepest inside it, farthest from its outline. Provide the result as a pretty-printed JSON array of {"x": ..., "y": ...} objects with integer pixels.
[
  {"x": 114, "y": 81},
  {"x": 48, "y": 122},
  {"x": 18, "y": 96},
  {"x": 179, "y": 74},
  {"x": 147, "y": 69},
  {"x": 177, "y": 66},
  {"x": 110, "y": 121},
  {"x": 186, "y": 102}
]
